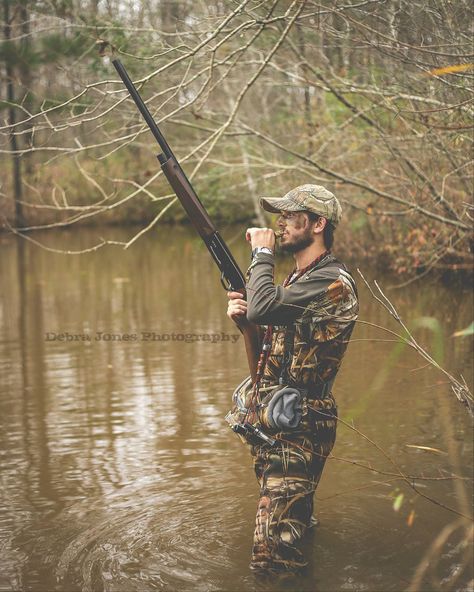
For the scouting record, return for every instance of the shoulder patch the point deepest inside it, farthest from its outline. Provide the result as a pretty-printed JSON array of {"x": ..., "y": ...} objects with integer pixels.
[{"x": 346, "y": 275}]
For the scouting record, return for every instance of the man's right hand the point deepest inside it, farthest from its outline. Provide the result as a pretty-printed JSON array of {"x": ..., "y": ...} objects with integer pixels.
[{"x": 237, "y": 308}]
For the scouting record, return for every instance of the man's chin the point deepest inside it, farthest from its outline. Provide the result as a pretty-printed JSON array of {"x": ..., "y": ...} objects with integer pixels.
[
  {"x": 296, "y": 246},
  {"x": 288, "y": 248}
]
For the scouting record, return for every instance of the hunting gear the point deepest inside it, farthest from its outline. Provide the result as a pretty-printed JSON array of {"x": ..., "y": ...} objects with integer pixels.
[{"x": 304, "y": 325}]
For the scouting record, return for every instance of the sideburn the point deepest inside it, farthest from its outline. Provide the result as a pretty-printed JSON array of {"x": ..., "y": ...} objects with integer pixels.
[{"x": 301, "y": 222}]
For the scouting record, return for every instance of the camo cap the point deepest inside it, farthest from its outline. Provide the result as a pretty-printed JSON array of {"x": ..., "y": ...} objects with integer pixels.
[{"x": 307, "y": 198}]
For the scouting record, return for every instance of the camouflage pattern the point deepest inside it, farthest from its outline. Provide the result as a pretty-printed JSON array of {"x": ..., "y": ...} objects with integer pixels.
[
  {"x": 288, "y": 478},
  {"x": 287, "y": 475},
  {"x": 309, "y": 198},
  {"x": 322, "y": 334}
]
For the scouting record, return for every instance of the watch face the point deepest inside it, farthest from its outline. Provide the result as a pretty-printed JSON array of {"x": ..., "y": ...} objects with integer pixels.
[{"x": 258, "y": 250}]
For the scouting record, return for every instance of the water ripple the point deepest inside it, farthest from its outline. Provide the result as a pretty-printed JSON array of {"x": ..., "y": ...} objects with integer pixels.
[{"x": 148, "y": 535}]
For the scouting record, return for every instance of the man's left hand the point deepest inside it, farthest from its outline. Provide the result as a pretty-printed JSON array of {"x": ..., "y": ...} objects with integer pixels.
[{"x": 261, "y": 237}]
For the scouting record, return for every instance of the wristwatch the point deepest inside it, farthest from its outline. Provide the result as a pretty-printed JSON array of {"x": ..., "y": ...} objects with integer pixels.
[{"x": 258, "y": 250}]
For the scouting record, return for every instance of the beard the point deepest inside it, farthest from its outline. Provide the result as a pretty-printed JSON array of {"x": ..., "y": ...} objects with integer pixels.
[{"x": 298, "y": 244}]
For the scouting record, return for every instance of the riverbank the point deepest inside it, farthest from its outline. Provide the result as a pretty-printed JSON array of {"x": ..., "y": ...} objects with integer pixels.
[{"x": 354, "y": 244}]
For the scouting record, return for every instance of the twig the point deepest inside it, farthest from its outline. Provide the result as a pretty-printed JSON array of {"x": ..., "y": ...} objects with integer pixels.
[{"x": 460, "y": 389}]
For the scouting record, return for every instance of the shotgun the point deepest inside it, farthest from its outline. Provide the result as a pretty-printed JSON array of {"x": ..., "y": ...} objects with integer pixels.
[{"x": 231, "y": 276}]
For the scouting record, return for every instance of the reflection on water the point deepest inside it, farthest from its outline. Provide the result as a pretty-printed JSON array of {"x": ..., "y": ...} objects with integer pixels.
[{"x": 119, "y": 473}]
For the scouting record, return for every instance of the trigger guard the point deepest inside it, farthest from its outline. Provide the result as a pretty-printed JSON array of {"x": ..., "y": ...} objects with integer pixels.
[{"x": 225, "y": 283}]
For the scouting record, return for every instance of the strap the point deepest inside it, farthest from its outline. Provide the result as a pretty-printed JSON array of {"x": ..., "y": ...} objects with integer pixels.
[{"x": 288, "y": 347}]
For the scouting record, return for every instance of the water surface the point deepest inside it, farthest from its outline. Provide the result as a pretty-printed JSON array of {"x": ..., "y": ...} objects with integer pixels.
[{"x": 118, "y": 472}]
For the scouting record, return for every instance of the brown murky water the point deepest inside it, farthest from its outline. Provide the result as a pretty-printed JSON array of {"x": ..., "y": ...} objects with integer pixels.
[{"x": 118, "y": 472}]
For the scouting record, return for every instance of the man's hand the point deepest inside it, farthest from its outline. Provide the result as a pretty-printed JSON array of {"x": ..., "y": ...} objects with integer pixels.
[
  {"x": 261, "y": 237},
  {"x": 237, "y": 308}
]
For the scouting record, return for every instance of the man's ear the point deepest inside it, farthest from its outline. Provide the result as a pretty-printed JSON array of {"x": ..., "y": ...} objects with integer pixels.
[{"x": 319, "y": 225}]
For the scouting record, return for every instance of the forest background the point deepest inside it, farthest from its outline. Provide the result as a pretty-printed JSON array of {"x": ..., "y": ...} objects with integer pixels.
[{"x": 371, "y": 98}]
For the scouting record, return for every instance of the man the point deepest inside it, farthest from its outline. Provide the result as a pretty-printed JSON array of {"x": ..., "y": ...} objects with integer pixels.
[{"x": 309, "y": 320}]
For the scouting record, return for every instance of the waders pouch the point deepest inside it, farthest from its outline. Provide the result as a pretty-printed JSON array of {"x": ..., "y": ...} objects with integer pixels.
[{"x": 280, "y": 410}]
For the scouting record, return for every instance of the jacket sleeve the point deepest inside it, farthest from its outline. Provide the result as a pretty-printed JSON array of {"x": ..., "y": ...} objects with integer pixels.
[{"x": 268, "y": 304}]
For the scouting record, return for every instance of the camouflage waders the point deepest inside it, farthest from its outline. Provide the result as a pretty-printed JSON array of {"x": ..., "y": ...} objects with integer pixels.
[{"x": 288, "y": 478}]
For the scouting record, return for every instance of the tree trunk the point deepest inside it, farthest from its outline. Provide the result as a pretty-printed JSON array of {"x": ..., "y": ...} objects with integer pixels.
[
  {"x": 307, "y": 92},
  {"x": 170, "y": 11},
  {"x": 16, "y": 163},
  {"x": 26, "y": 79}
]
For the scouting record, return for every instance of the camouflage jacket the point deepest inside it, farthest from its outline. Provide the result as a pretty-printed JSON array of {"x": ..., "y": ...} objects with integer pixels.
[{"x": 320, "y": 308}]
